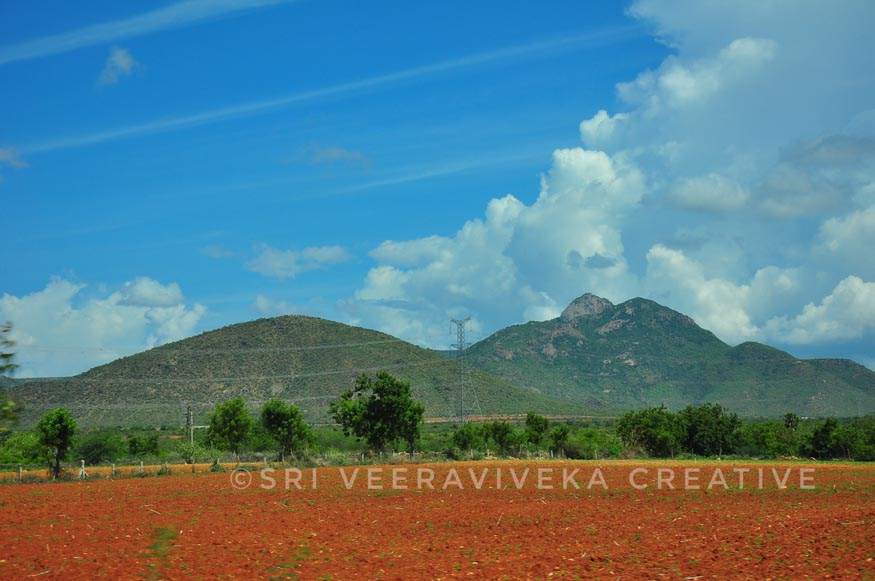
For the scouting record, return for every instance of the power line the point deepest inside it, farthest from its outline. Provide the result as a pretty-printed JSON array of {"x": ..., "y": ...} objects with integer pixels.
[
  {"x": 173, "y": 350},
  {"x": 159, "y": 380}
]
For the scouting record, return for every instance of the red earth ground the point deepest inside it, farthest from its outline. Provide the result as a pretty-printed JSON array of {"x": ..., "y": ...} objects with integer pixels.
[{"x": 237, "y": 526}]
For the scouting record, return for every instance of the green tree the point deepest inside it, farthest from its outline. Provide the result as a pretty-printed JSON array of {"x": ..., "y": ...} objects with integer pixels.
[
  {"x": 101, "y": 446},
  {"x": 588, "y": 443},
  {"x": 504, "y": 436},
  {"x": 8, "y": 409},
  {"x": 822, "y": 443},
  {"x": 559, "y": 438},
  {"x": 763, "y": 439},
  {"x": 791, "y": 421},
  {"x": 380, "y": 410},
  {"x": 852, "y": 440},
  {"x": 710, "y": 429},
  {"x": 861, "y": 438},
  {"x": 21, "y": 448},
  {"x": 536, "y": 427},
  {"x": 146, "y": 446},
  {"x": 286, "y": 425},
  {"x": 468, "y": 437},
  {"x": 847, "y": 441},
  {"x": 260, "y": 439},
  {"x": 655, "y": 430},
  {"x": 191, "y": 452},
  {"x": 56, "y": 431},
  {"x": 229, "y": 426}
]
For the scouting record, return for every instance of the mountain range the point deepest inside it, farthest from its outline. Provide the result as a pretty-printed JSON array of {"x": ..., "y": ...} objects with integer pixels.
[
  {"x": 596, "y": 358},
  {"x": 640, "y": 354}
]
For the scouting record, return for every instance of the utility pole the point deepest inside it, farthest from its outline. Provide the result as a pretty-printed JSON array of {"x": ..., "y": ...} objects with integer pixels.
[
  {"x": 468, "y": 402},
  {"x": 189, "y": 423}
]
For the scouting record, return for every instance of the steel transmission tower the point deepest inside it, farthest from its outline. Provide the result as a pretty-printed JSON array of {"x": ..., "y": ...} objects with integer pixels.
[{"x": 468, "y": 402}]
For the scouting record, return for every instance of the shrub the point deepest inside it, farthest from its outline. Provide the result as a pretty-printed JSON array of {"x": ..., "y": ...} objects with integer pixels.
[
  {"x": 21, "y": 448},
  {"x": 98, "y": 447}
]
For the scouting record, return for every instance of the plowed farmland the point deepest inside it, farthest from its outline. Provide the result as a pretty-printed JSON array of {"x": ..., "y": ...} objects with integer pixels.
[{"x": 478, "y": 520}]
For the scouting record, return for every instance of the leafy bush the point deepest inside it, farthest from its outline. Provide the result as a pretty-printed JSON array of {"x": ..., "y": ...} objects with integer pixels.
[
  {"x": 854, "y": 440},
  {"x": 468, "y": 437},
  {"x": 656, "y": 431},
  {"x": 145, "y": 446},
  {"x": 592, "y": 444},
  {"x": 21, "y": 448},
  {"x": 99, "y": 447},
  {"x": 767, "y": 439},
  {"x": 191, "y": 453}
]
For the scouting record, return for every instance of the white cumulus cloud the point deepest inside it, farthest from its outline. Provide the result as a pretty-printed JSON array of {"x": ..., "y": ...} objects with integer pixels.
[
  {"x": 518, "y": 263},
  {"x": 677, "y": 84},
  {"x": 146, "y": 292},
  {"x": 710, "y": 193},
  {"x": 846, "y": 314},
  {"x": 60, "y": 331},
  {"x": 717, "y": 304},
  {"x": 281, "y": 264},
  {"x": 850, "y": 240}
]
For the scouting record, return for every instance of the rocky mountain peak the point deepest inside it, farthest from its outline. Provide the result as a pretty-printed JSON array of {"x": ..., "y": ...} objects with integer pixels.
[{"x": 589, "y": 305}]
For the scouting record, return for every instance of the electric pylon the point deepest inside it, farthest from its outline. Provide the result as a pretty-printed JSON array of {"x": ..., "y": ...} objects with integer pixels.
[{"x": 468, "y": 402}]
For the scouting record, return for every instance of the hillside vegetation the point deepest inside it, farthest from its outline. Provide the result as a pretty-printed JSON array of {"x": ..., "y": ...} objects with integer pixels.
[
  {"x": 303, "y": 360},
  {"x": 595, "y": 359},
  {"x": 640, "y": 354}
]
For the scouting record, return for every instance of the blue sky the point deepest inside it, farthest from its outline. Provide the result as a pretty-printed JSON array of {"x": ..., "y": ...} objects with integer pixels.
[{"x": 169, "y": 169}]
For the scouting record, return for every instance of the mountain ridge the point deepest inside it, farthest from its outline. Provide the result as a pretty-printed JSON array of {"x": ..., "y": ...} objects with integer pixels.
[
  {"x": 596, "y": 358},
  {"x": 640, "y": 353},
  {"x": 303, "y": 360}
]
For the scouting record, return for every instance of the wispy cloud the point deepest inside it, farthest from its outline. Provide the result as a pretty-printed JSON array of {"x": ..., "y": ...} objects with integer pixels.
[
  {"x": 10, "y": 156},
  {"x": 318, "y": 155},
  {"x": 218, "y": 251},
  {"x": 529, "y": 51},
  {"x": 177, "y": 15},
  {"x": 410, "y": 175},
  {"x": 119, "y": 64},
  {"x": 307, "y": 190}
]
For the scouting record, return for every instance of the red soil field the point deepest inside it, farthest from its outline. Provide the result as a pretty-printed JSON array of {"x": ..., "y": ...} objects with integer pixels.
[{"x": 200, "y": 526}]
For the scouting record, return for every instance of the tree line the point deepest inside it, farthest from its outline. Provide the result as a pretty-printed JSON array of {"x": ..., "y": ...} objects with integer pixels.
[
  {"x": 711, "y": 430},
  {"x": 381, "y": 413}
]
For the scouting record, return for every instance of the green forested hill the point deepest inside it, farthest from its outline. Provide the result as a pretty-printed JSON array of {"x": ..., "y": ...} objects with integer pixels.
[
  {"x": 303, "y": 360},
  {"x": 640, "y": 353}
]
